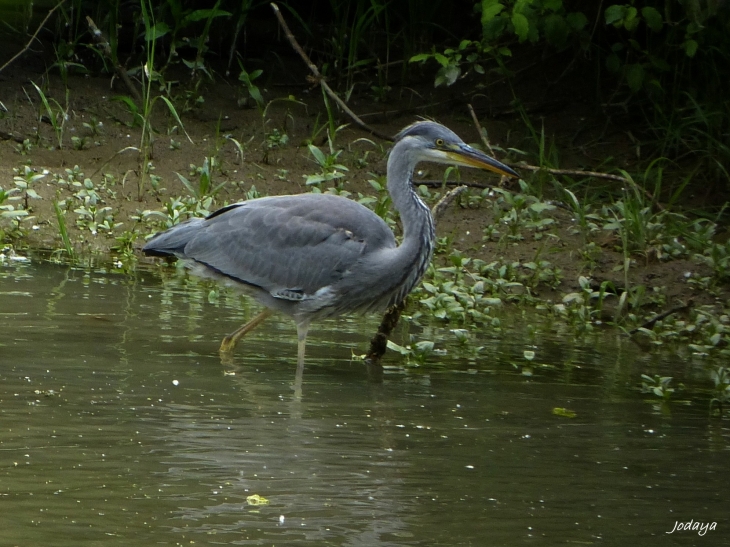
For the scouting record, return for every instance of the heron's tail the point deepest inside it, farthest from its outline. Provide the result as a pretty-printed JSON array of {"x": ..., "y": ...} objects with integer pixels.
[{"x": 172, "y": 242}]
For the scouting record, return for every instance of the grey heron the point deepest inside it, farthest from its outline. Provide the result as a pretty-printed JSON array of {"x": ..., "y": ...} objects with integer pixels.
[{"x": 312, "y": 256}]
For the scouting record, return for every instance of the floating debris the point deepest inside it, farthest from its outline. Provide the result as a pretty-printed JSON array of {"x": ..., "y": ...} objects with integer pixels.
[
  {"x": 564, "y": 412},
  {"x": 255, "y": 499}
]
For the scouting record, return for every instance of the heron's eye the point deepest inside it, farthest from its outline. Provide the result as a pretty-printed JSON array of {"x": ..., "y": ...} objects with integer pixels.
[{"x": 439, "y": 142}]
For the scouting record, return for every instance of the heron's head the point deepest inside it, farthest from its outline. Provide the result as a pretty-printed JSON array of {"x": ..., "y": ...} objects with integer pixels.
[{"x": 431, "y": 141}]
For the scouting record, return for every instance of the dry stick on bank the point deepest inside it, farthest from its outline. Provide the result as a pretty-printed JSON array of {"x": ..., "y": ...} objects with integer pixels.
[
  {"x": 659, "y": 317},
  {"x": 106, "y": 49},
  {"x": 32, "y": 38},
  {"x": 319, "y": 79},
  {"x": 568, "y": 172},
  {"x": 379, "y": 342}
]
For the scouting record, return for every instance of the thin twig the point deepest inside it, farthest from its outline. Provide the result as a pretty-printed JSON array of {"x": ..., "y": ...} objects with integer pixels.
[
  {"x": 445, "y": 201},
  {"x": 573, "y": 172},
  {"x": 105, "y": 163},
  {"x": 106, "y": 49},
  {"x": 595, "y": 174},
  {"x": 318, "y": 77},
  {"x": 480, "y": 129},
  {"x": 32, "y": 38}
]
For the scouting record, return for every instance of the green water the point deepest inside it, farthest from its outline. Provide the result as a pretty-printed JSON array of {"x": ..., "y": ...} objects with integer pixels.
[{"x": 119, "y": 425}]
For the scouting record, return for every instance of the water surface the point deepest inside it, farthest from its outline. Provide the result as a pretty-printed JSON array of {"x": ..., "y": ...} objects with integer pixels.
[{"x": 120, "y": 424}]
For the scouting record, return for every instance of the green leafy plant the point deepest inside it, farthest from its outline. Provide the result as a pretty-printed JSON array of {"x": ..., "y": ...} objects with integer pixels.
[
  {"x": 658, "y": 385},
  {"x": 205, "y": 187},
  {"x": 62, "y": 229},
  {"x": 274, "y": 140},
  {"x": 96, "y": 219},
  {"x": 253, "y": 91},
  {"x": 720, "y": 377},
  {"x": 24, "y": 179},
  {"x": 414, "y": 354},
  {"x": 57, "y": 115},
  {"x": 330, "y": 168}
]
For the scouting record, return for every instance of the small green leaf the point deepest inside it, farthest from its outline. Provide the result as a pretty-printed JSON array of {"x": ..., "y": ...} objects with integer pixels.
[
  {"x": 690, "y": 47},
  {"x": 631, "y": 21},
  {"x": 490, "y": 10},
  {"x": 614, "y": 14},
  {"x": 577, "y": 20},
  {"x": 14, "y": 213},
  {"x": 521, "y": 25},
  {"x": 441, "y": 59},
  {"x": 653, "y": 18},
  {"x": 318, "y": 155},
  {"x": 424, "y": 346},
  {"x": 201, "y": 14},
  {"x": 314, "y": 179},
  {"x": 397, "y": 348},
  {"x": 447, "y": 75},
  {"x": 541, "y": 206},
  {"x": 419, "y": 58},
  {"x": 157, "y": 31}
]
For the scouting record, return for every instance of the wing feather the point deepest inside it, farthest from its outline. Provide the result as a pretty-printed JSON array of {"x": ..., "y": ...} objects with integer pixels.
[{"x": 289, "y": 246}]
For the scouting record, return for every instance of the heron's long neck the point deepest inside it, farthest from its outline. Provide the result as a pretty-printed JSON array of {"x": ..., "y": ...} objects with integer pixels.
[{"x": 418, "y": 230}]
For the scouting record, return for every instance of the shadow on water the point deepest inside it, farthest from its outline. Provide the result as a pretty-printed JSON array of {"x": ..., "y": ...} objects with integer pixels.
[{"x": 119, "y": 423}]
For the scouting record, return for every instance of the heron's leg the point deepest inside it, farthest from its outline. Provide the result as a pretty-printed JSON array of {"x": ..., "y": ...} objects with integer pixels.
[
  {"x": 230, "y": 341},
  {"x": 296, "y": 411},
  {"x": 302, "y": 329}
]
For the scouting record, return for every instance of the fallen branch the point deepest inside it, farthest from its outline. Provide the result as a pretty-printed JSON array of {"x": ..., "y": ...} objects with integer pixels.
[
  {"x": 32, "y": 38},
  {"x": 319, "y": 79},
  {"x": 568, "y": 172},
  {"x": 595, "y": 174},
  {"x": 653, "y": 321},
  {"x": 106, "y": 49}
]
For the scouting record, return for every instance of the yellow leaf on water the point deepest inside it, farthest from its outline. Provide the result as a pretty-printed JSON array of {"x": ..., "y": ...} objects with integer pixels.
[
  {"x": 564, "y": 412},
  {"x": 257, "y": 500}
]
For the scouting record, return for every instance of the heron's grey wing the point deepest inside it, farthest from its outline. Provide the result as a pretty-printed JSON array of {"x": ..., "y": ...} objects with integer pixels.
[
  {"x": 172, "y": 242},
  {"x": 290, "y": 246}
]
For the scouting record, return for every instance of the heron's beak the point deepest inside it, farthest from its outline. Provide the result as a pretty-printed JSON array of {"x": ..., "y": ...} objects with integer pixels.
[{"x": 465, "y": 155}]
